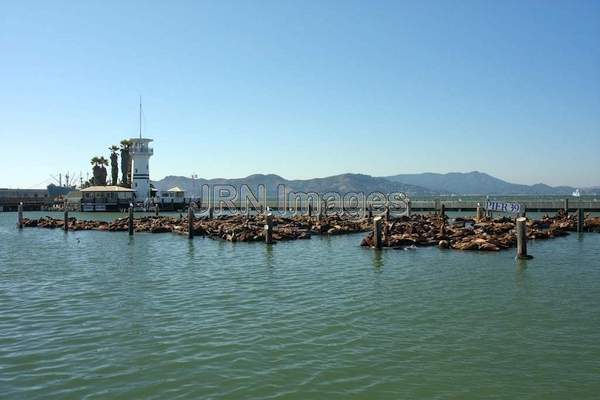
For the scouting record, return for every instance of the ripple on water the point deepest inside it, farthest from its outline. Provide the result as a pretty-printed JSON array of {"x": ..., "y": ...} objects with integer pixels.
[{"x": 100, "y": 315}]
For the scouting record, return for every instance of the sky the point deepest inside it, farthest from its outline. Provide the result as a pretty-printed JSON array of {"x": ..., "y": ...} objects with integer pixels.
[{"x": 303, "y": 89}]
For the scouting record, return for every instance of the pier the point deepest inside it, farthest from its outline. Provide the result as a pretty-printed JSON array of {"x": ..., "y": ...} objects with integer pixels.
[
  {"x": 534, "y": 205},
  {"x": 530, "y": 204}
]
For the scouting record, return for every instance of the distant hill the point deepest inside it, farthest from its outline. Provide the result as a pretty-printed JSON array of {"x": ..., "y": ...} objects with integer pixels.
[
  {"x": 425, "y": 184},
  {"x": 344, "y": 183},
  {"x": 478, "y": 183}
]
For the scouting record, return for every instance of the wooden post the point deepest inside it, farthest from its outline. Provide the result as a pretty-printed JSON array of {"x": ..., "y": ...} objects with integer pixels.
[
  {"x": 190, "y": 218},
  {"x": 20, "y": 216},
  {"x": 386, "y": 233},
  {"x": 269, "y": 229},
  {"x": 377, "y": 232},
  {"x": 408, "y": 208},
  {"x": 370, "y": 212},
  {"x": 566, "y": 206},
  {"x": 443, "y": 215},
  {"x": 522, "y": 239},
  {"x": 130, "y": 221},
  {"x": 322, "y": 206},
  {"x": 479, "y": 214},
  {"x": 156, "y": 210},
  {"x": 580, "y": 220},
  {"x": 210, "y": 212},
  {"x": 309, "y": 210},
  {"x": 387, "y": 212},
  {"x": 66, "y": 219}
]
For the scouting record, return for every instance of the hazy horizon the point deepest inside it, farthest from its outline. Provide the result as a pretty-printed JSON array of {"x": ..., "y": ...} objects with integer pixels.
[
  {"x": 198, "y": 176},
  {"x": 360, "y": 173},
  {"x": 304, "y": 90}
]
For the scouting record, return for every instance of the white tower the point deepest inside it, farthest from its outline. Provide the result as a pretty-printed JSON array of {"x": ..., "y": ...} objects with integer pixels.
[{"x": 140, "y": 154}]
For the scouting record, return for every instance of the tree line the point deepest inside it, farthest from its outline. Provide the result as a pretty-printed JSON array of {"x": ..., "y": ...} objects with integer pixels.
[{"x": 99, "y": 164}]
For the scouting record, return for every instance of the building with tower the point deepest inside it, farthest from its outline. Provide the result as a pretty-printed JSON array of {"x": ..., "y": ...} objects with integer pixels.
[{"x": 140, "y": 153}]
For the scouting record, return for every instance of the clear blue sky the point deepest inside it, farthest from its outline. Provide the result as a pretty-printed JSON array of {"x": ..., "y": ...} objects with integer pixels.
[{"x": 305, "y": 88}]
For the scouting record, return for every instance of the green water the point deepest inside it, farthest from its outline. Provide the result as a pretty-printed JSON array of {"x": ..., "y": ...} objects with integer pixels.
[{"x": 98, "y": 315}]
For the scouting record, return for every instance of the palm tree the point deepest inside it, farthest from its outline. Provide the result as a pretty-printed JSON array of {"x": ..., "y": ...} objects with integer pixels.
[
  {"x": 103, "y": 174},
  {"x": 125, "y": 161},
  {"x": 114, "y": 167},
  {"x": 99, "y": 170},
  {"x": 95, "y": 170}
]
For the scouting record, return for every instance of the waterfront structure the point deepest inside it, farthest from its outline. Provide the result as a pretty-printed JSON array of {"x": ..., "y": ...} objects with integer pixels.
[
  {"x": 141, "y": 152},
  {"x": 173, "y": 195},
  {"x": 106, "y": 198},
  {"x": 171, "y": 200},
  {"x": 32, "y": 199}
]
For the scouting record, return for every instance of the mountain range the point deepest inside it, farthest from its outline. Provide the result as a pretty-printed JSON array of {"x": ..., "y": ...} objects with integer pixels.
[
  {"x": 424, "y": 184},
  {"x": 344, "y": 183},
  {"x": 478, "y": 183}
]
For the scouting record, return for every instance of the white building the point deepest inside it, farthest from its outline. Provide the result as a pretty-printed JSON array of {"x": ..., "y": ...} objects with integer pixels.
[
  {"x": 106, "y": 198},
  {"x": 141, "y": 152},
  {"x": 174, "y": 198}
]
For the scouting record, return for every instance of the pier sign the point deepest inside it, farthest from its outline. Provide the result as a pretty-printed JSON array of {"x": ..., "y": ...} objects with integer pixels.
[{"x": 498, "y": 206}]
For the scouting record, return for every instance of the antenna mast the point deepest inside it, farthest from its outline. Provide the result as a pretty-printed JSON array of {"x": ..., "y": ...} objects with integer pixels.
[{"x": 140, "y": 116}]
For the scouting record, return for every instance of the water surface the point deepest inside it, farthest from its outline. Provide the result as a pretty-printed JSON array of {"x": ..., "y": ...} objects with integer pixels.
[{"x": 99, "y": 315}]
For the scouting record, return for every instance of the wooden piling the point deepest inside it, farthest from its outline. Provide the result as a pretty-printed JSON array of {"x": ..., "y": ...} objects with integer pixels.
[
  {"x": 386, "y": 233},
  {"x": 387, "y": 212},
  {"x": 66, "y": 216},
  {"x": 377, "y": 232},
  {"x": 269, "y": 228},
  {"x": 156, "y": 210},
  {"x": 322, "y": 205},
  {"x": 130, "y": 221},
  {"x": 408, "y": 208},
  {"x": 479, "y": 214},
  {"x": 210, "y": 212},
  {"x": 580, "y": 220},
  {"x": 20, "y": 216},
  {"x": 443, "y": 211},
  {"x": 566, "y": 206},
  {"x": 370, "y": 212},
  {"x": 522, "y": 239},
  {"x": 309, "y": 210},
  {"x": 190, "y": 218}
]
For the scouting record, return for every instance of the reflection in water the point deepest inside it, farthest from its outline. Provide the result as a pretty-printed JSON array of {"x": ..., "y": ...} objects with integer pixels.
[
  {"x": 326, "y": 239},
  {"x": 521, "y": 264},
  {"x": 269, "y": 255},
  {"x": 190, "y": 249},
  {"x": 520, "y": 271},
  {"x": 377, "y": 259}
]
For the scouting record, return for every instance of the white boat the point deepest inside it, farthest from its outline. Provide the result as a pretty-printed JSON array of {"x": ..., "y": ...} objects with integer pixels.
[{"x": 576, "y": 193}]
